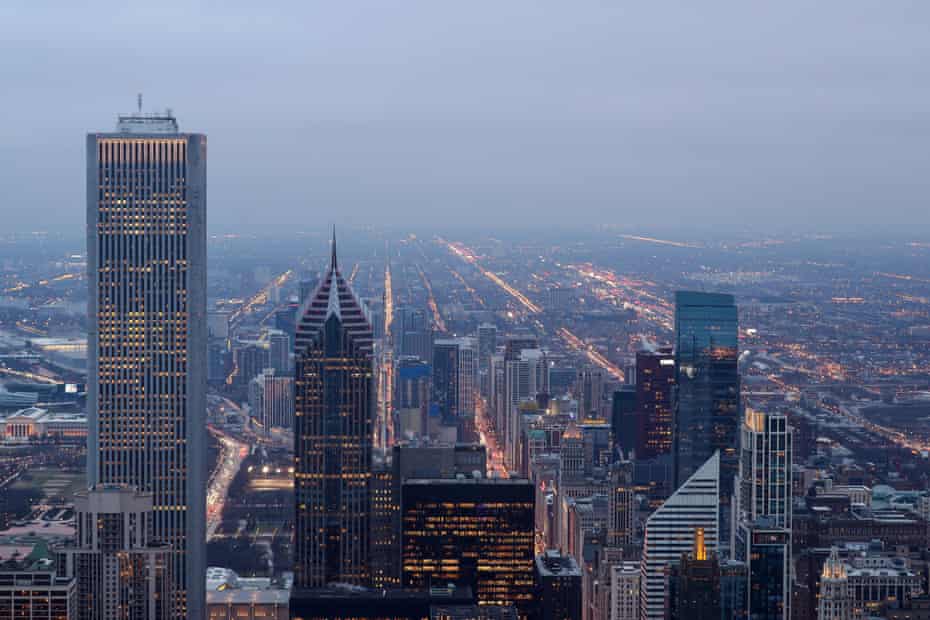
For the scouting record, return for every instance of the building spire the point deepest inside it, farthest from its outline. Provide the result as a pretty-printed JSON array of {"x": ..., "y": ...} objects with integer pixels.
[{"x": 332, "y": 264}]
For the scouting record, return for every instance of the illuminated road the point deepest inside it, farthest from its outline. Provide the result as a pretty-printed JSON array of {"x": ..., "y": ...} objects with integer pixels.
[
  {"x": 674, "y": 244},
  {"x": 488, "y": 440},
  {"x": 468, "y": 256},
  {"x": 598, "y": 359},
  {"x": 260, "y": 298},
  {"x": 433, "y": 306},
  {"x": 27, "y": 375},
  {"x": 233, "y": 452}
]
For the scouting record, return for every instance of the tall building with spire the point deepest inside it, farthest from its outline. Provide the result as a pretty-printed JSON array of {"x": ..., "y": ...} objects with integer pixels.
[
  {"x": 147, "y": 340},
  {"x": 333, "y": 435}
]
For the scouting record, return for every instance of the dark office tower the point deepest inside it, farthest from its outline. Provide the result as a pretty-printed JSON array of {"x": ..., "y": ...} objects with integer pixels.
[
  {"x": 470, "y": 532},
  {"x": 707, "y": 403},
  {"x": 558, "y": 587},
  {"x": 333, "y": 436},
  {"x": 694, "y": 585},
  {"x": 624, "y": 421},
  {"x": 414, "y": 460},
  {"x": 655, "y": 381},
  {"x": 147, "y": 271},
  {"x": 385, "y": 534},
  {"x": 769, "y": 566}
]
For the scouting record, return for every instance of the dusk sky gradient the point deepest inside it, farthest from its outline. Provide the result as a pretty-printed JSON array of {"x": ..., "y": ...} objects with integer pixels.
[{"x": 658, "y": 115}]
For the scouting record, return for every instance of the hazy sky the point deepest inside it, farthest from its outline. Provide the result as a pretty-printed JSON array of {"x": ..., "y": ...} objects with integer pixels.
[{"x": 691, "y": 114}]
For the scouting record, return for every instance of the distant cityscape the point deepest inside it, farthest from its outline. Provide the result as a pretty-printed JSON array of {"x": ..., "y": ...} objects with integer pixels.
[{"x": 414, "y": 424}]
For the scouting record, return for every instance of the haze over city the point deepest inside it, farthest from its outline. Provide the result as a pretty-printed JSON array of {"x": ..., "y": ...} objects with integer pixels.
[
  {"x": 787, "y": 116},
  {"x": 473, "y": 311}
]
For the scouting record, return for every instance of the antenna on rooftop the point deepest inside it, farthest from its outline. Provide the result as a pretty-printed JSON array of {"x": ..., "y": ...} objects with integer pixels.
[{"x": 139, "y": 102}]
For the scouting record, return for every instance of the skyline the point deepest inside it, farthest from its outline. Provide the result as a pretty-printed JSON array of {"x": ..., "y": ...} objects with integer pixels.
[{"x": 445, "y": 116}]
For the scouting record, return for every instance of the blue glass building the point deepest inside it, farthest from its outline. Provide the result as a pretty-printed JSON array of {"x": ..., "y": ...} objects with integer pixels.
[{"x": 707, "y": 400}]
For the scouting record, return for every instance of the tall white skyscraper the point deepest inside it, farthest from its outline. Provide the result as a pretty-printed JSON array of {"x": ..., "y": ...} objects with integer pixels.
[
  {"x": 670, "y": 532},
  {"x": 147, "y": 268},
  {"x": 761, "y": 533}
]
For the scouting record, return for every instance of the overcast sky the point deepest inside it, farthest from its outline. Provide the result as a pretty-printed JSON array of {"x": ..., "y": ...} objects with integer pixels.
[{"x": 653, "y": 114}]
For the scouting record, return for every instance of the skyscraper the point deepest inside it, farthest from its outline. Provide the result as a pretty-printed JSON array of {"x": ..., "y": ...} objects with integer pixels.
[
  {"x": 764, "y": 487},
  {"x": 655, "y": 380},
  {"x": 120, "y": 571},
  {"x": 472, "y": 532},
  {"x": 333, "y": 435},
  {"x": 670, "y": 532},
  {"x": 147, "y": 268},
  {"x": 455, "y": 376},
  {"x": 761, "y": 536},
  {"x": 768, "y": 559},
  {"x": 707, "y": 401}
]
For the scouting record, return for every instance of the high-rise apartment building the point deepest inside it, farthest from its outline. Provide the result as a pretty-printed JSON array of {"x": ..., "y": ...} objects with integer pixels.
[
  {"x": 333, "y": 436},
  {"x": 707, "y": 391},
  {"x": 670, "y": 532},
  {"x": 121, "y": 573},
  {"x": 761, "y": 536},
  {"x": 147, "y": 340},
  {"x": 473, "y": 532},
  {"x": 764, "y": 483}
]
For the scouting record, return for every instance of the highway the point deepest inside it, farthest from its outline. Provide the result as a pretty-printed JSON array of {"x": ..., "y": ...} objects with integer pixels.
[{"x": 233, "y": 452}]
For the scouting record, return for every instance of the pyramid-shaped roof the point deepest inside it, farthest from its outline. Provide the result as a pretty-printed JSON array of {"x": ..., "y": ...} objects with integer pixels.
[{"x": 333, "y": 297}]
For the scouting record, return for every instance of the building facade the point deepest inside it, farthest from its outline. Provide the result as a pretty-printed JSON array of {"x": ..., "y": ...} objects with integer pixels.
[
  {"x": 147, "y": 268},
  {"x": 655, "y": 382},
  {"x": 707, "y": 391},
  {"x": 333, "y": 436},
  {"x": 472, "y": 532},
  {"x": 120, "y": 571},
  {"x": 670, "y": 532}
]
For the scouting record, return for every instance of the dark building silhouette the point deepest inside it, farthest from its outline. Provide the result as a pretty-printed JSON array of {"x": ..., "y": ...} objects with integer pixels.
[
  {"x": 694, "y": 584},
  {"x": 472, "y": 532},
  {"x": 624, "y": 421},
  {"x": 655, "y": 380},
  {"x": 558, "y": 587},
  {"x": 333, "y": 436}
]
